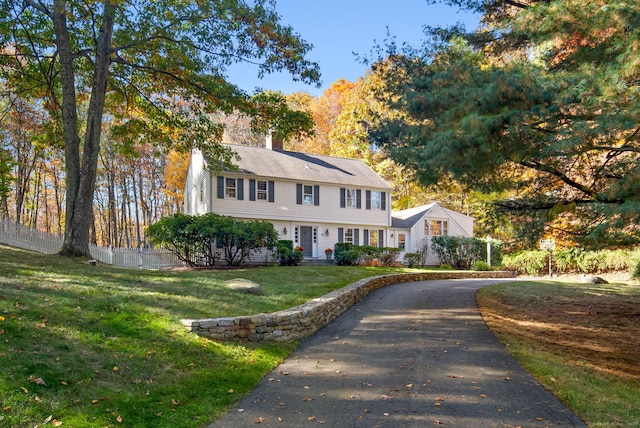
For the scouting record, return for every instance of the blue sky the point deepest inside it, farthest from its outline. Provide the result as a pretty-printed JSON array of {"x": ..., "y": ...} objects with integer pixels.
[{"x": 337, "y": 28}]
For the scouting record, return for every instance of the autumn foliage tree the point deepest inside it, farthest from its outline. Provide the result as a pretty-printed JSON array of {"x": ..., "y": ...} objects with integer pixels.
[
  {"x": 542, "y": 102},
  {"x": 138, "y": 61}
]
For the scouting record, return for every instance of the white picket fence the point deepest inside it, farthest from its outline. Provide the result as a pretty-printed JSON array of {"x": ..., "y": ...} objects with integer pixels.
[{"x": 17, "y": 235}]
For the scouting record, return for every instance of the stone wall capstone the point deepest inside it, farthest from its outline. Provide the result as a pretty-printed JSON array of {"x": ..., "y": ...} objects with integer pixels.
[{"x": 303, "y": 320}]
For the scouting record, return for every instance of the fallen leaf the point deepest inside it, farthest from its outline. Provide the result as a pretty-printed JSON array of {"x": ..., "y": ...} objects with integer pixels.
[
  {"x": 307, "y": 399},
  {"x": 260, "y": 420},
  {"x": 56, "y": 423},
  {"x": 311, "y": 418},
  {"x": 26, "y": 391},
  {"x": 279, "y": 419},
  {"x": 174, "y": 402},
  {"x": 386, "y": 414},
  {"x": 116, "y": 368},
  {"x": 483, "y": 395},
  {"x": 409, "y": 385},
  {"x": 1, "y": 318},
  {"x": 63, "y": 383},
  {"x": 46, "y": 421},
  {"x": 119, "y": 419},
  {"x": 230, "y": 391}
]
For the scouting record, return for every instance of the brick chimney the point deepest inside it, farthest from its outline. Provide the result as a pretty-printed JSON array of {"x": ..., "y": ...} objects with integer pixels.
[{"x": 274, "y": 143}]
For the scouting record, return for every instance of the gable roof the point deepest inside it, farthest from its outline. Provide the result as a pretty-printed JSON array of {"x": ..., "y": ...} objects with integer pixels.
[
  {"x": 263, "y": 162},
  {"x": 406, "y": 219}
]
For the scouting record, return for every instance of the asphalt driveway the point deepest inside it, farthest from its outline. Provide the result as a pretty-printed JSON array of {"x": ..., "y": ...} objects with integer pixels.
[{"x": 415, "y": 354}]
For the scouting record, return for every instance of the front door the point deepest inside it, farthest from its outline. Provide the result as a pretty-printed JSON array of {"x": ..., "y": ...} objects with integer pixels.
[{"x": 306, "y": 240}]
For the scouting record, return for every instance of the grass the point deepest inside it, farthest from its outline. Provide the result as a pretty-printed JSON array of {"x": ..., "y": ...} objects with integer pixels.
[
  {"x": 581, "y": 341},
  {"x": 98, "y": 346}
]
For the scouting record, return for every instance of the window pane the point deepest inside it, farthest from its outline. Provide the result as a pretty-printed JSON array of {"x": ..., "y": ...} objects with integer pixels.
[
  {"x": 308, "y": 195},
  {"x": 230, "y": 187},
  {"x": 262, "y": 191},
  {"x": 376, "y": 200},
  {"x": 401, "y": 241},
  {"x": 348, "y": 236},
  {"x": 373, "y": 238},
  {"x": 352, "y": 198}
]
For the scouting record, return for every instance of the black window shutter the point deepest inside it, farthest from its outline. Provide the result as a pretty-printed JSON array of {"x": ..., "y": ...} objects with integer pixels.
[
  {"x": 359, "y": 198},
  {"x": 299, "y": 194},
  {"x": 365, "y": 238},
  {"x": 343, "y": 202},
  {"x": 381, "y": 238},
  {"x": 316, "y": 195},
  {"x": 356, "y": 236},
  {"x": 368, "y": 199},
  {"x": 340, "y": 235},
  {"x": 252, "y": 190},
  {"x": 240, "y": 188},
  {"x": 220, "y": 187},
  {"x": 383, "y": 201},
  {"x": 272, "y": 191}
]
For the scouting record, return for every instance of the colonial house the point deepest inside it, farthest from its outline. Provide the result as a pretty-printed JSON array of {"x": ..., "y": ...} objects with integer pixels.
[{"x": 314, "y": 200}]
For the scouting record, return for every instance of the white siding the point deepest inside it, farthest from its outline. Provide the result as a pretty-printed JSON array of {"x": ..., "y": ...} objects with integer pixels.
[{"x": 285, "y": 207}]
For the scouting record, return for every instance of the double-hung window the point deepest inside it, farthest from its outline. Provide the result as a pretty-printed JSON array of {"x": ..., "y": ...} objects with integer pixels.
[
  {"x": 230, "y": 187},
  {"x": 307, "y": 195},
  {"x": 261, "y": 190},
  {"x": 351, "y": 198}
]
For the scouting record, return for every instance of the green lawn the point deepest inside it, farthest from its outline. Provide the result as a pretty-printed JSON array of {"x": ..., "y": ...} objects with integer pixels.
[{"x": 97, "y": 346}]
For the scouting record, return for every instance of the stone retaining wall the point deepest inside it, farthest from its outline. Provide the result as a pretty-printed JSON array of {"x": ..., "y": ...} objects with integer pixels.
[{"x": 301, "y": 321}]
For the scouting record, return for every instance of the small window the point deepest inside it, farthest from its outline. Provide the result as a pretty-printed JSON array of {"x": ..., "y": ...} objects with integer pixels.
[
  {"x": 262, "y": 191},
  {"x": 373, "y": 238},
  {"x": 351, "y": 198},
  {"x": 376, "y": 200},
  {"x": 348, "y": 236},
  {"x": 230, "y": 187},
  {"x": 201, "y": 190},
  {"x": 307, "y": 196},
  {"x": 401, "y": 241}
]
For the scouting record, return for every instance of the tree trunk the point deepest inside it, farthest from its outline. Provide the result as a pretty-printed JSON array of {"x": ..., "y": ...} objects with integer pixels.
[{"x": 81, "y": 177}]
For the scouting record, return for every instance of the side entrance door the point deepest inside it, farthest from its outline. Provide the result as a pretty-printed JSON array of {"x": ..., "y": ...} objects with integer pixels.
[{"x": 306, "y": 240}]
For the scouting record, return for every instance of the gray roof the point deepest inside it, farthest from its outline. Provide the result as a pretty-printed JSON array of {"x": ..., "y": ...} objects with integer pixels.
[
  {"x": 406, "y": 219},
  {"x": 263, "y": 162}
]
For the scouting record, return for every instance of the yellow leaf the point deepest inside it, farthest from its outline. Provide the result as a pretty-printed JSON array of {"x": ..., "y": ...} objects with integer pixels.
[
  {"x": 26, "y": 391},
  {"x": 116, "y": 368},
  {"x": 1, "y": 318},
  {"x": 230, "y": 391},
  {"x": 57, "y": 423}
]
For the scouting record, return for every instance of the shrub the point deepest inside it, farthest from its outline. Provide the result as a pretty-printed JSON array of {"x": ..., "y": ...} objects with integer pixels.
[
  {"x": 288, "y": 255},
  {"x": 481, "y": 266},
  {"x": 413, "y": 259},
  {"x": 636, "y": 272},
  {"x": 457, "y": 251},
  {"x": 533, "y": 262},
  {"x": 389, "y": 255},
  {"x": 201, "y": 240},
  {"x": 346, "y": 258}
]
